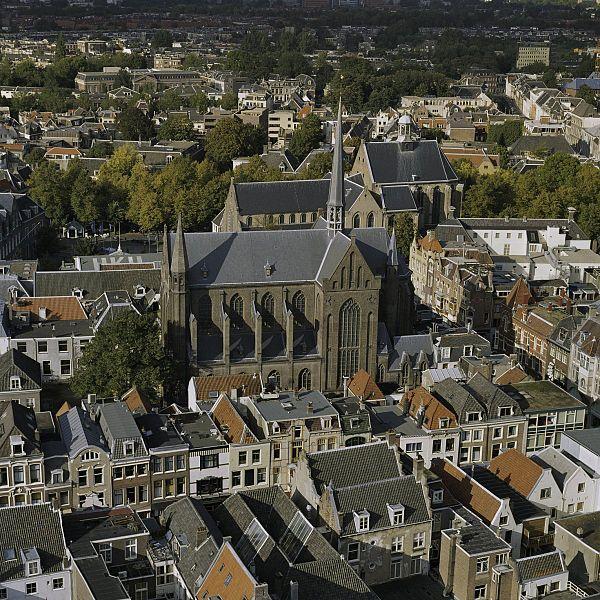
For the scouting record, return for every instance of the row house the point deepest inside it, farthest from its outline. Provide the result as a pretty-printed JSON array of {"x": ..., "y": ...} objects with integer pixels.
[
  {"x": 509, "y": 514},
  {"x": 582, "y": 448},
  {"x": 20, "y": 379},
  {"x": 584, "y": 360},
  {"x": 377, "y": 518},
  {"x": 293, "y": 423},
  {"x": 20, "y": 220}
]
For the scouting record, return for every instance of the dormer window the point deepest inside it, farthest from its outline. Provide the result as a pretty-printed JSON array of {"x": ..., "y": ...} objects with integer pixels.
[
  {"x": 269, "y": 268},
  {"x": 15, "y": 382},
  {"x": 56, "y": 476},
  {"x": 468, "y": 351},
  {"x": 77, "y": 292},
  {"x": 396, "y": 514},
  {"x": 473, "y": 416},
  {"x": 16, "y": 445},
  {"x": 361, "y": 520},
  {"x": 140, "y": 291},
  {"x": 444, "y": 423},
  {"x": 128, "y": 448},
  {"x": 505, "y": 411},
  {"x": 31, "y": 560},
  {"x": 326, "y": 423}
]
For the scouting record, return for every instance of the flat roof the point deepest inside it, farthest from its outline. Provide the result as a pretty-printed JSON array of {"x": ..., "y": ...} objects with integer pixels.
[{"x": 542, "y": 395}]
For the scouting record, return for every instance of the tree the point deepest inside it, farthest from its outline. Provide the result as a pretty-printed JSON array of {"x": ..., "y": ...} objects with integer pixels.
[
  {"x": 466, "y": 171},
  {"x": 404, "y": 228},
  {"x": 491, "y": 196},
  {"x": 176, "y": 127},
  {"x": 48, "y": 188},
  {"x": 589, "y": 95},
  {"x": 193, "y": 61},
  {"x": 201, "y": 102},
  {"x": 162, "y": 39},
  {"x": 229, "y": 101},
  {"x": 60, "y": 50},
  {"x": 323, "y": 72},
  {"x": 231, "y": 138},
  {"x": 100, "y": 150},
  {"x": 171, "y": 100},
  {"x": 126, "y": 352},
  {"x": 85, "y": 202},
  {"x": 318, "y": 167},
  {"x": 307, "y": 137},
  {"x": 134, "y": 124},
  {"x": 505, "y": 134},
  {"x": 123, "y": 79},
  {"x": 256, "y": 170},
  {"x": 47, "y": 247},
  {"x": 291, "y": 64}
]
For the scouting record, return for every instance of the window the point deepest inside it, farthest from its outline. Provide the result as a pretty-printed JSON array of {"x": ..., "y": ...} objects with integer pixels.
[
  {"x": 118, "y": 498},
  {"x": 349, "y": 339},
  {"x": 503, "y": 521},
  {"x": 480, "y": 592},
  {"x": 397, "y": 544},
  {"x": 502, "y": 559},
  {"x": 396, "y": 569},
  {"x": 512, "y": 431},
  {"x": 437, "y": 497},
  {"x": 169, "y": 463},
  {"x": 497, "y": 432},
  {"x": 362, "y": 521},
  {"x": 105, "y": 551},
  {"x": 297, "y": 447},
  {"x": 3, "y": 593},
  {"x": 33, "y": 568},
  {"x": 180, "y": 486},
  {"x": 415, "y": 565},
  {"x": 437, "y": 446},
  {"x": 82, "y": 477},
  {"x": 476, "y": 454},
  {"x": 237, "y": 309},
  {"x": 22, "y": 346},
  {"x": 142, "y": 493},
  {"x": 581, "y": 487},
  {"x": 255, "y": 456},
  {"x": 545, "y": 493},
  {"x": 276, "y": 451},
  {"x": 63, "y": 346},
  {"x": 236, "y": 478},
  {"x": 483, "y": 565},
  {"x": 261, "y": 475},
  {"x": 46, "y": 368},
  {"x": 129, "y": 471},
  {"x": 209, "y": 461},
  {"x": 242, "y": 457},
  {"x": 19, "y": 474},
  {"x": 65, "y": 367},
  {"x": 3, "y": 476},
  {"x": 98, "y": 475},
  {"x": 181, "y": 462},
  {"x": 304, "y": 379},
  {"x": 505, "y": 411},
  {"x": 128, "y": 448},
  {"x": 444, "y": 423},
  {"x": 35, "y": 473},
  {"x": 473, "y": 416},
  {"x": 31, "y": 588},
  {"x": 130, "y": 549},
  {"x": 15, "y": 382},
  {"x": 353, "y": 551},
  {"x": 477, "y": 435},
  {"x": 158, "y": 491},
  {"x": 249, "y": 477},
  {"x": 117, "y": 473},
  {"x": 58, "y": 583},
  {"x": 419, "y": 540},
  {"x": 370, "y": 220},
  {"x": 274, "y": 378}
]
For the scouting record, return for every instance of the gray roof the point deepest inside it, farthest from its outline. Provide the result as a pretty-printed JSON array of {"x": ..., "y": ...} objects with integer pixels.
[
  {"x": 533, "y": 143},
  {"x": 94, "y": 283},
  {"x": 573, "y": 229},
  {"x": 295, "y": 406},
  {"x": 395, "y": 162},
  {"x": 536, "y": 396},
  {"x": 26, "y": 527},
  {"x": 398, "y": 198},
  {"x": 411, "y": 347},
  {"x": 562, "y": 467},
  {"x": 295, "y": 196},
  {"x": 79, "y": 431},
  {"x": 375, "y": 497},
  {"x": 118, "y": 426},
  {"x": 16, "y": 364},
  {"x": 543, "y": 565},
  {"x": 588, "y": 438},
  {"x": 476, "y": 537},
  {"x": 103, "y": 585},
  {"x": 16, "y": 419},
  {"x": 355, "y": 465},
  {"x": 296, "y": 255}
]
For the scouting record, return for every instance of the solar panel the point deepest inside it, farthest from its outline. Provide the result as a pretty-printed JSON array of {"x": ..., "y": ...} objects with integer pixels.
[
  {"x": 295, "y": 537},
  {"x": 251, "y": 542}
]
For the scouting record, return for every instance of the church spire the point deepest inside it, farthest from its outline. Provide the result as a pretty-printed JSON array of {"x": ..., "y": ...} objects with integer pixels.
[
  {"x": 335, "y": 201},
  {"x": 179, "y": 261}
]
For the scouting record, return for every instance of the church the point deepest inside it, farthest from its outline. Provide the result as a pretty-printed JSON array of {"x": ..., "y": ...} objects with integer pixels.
[{"x": 303, "y": 307}]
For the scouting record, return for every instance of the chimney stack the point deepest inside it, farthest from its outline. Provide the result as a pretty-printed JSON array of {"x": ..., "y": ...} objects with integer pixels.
[
  {"x": 418, "y": 468},
  {"x": 309, "y": 407},
  {"x": 43, "y": 313},
  {"x": 293, "y": 590}
]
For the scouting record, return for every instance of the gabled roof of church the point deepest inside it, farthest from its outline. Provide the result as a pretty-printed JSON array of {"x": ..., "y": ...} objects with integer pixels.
[{"x": 277, "y": 256}]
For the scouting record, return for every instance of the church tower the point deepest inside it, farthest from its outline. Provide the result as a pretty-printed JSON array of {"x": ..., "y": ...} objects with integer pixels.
[{"x": 335, "y": 201}]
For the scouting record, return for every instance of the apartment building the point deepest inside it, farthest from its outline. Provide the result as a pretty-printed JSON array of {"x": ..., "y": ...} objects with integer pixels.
[{"x": 529, "y": 54}]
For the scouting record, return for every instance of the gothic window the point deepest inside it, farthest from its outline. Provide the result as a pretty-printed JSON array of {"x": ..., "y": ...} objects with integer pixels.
[
  {"x": 343, "y": 278},
  {"x": 405, "y": 372},
  {"x": 274, "y": 378},
  {"x": 268, "y": 309},
  {"x": 380, "y": 373},
  {"x": 237, "y": 311},
  {"x": 371, "y": 220},
  {"x": 303, "y": 218},
  {"x": 292, "y": 218},
  {"x": 305, "y": 379},
  {"x": 299, "y": 306},
  {"x": 313, "y": 217},
  {"x": 358, "y": 276},
  {"x": 281, "y": 219},
  {"x": 349, "y": 340},
  {"x": 351, "y": 271},
  {"x": 437, "y": 204},
  {"x": 205, "y": 321},
  {"x": 249, "y": 221},
  {"x": 356, "y": 220}
]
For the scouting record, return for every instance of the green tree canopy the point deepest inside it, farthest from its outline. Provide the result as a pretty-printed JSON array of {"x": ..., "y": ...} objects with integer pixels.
[
  {"x": 134, "y": 124},
  {"x": 125, "y": 352},
  {"x": 306, "y": 137},
  {"x": 505, "y": 134},
  {"x": 230, "y": 138},
  {"x": 162, "y": 39},
  {"x": 176, "y": 127}
]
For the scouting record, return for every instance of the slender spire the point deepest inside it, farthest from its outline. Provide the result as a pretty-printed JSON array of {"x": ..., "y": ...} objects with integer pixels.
[
  {"x": 179, "y": 261},
  {"x": 335, "y": 201}
]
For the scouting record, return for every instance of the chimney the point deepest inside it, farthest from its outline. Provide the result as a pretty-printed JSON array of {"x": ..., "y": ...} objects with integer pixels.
[
  {"x": 513, "y": 360},
  {"x": 201, "y": 535},
  {"x": 405, "y": 402},
  {"x": 451, "y": 210},
  {"x": 346, "y": 378},
  {"x": 293, "y": 590},
  {"x": 571, "y": 211},
  {"x": 309, "y": 407},
  {"x": 43, "y": 313},
  {"x": 418, "y": 468}
]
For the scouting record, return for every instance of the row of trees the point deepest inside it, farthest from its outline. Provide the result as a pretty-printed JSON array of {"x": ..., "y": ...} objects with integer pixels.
[{"x": 546, "y": 192}]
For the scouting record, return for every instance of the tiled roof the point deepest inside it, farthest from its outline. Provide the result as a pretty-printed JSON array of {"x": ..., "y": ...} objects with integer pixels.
[
  {"x": 540, "y": 566},
  {"x": 58, "y": 308},
  {"x": 355, "y": 465},
  {"x": 513, "y": 375},
  {"x": 467, "y": 491},
  {"x": 231, "y": 423},
  {"x": 246, "y": 383},
  {"x": 34, "y": 526},
  {"x": 16, "y": 419},
  {"x": 78, "y": 431},
  {"x": 135, "y": 402},
  {"x": 363, "y": 385},
  {"x": 434, "y": 409},
  {"x": 516, "y": 469},
  {"x": 17, "y": 364}
]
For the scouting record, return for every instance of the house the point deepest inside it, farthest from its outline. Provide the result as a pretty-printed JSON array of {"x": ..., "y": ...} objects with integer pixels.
[
  {"x": 582, "y": 447},
  {"x": 208, "y": 388},
  {"x": 404, "y": 360},
  {"x": 584, "y": 359},
  {"x": 62, "y": 156},
  {"x": 542, "y": 574},
  {"x": 355, "y": 419},
  {"x": 21, "y": 460},
  {"x": 283, "y": 550},
  {"x": 109, "y": 551},
  {"x": 20, "y": 379},
  {"x": 550, "y": 410},
  {"x": 362, "y": 386},
  {"x": 377, "y": 518},
  {"x": 474, "y": 561},
  {"x": 20, "y": 218},
  {"x": 35, "y": 561}
]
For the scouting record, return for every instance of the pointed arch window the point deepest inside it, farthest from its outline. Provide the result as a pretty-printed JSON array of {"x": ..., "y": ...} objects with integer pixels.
[
  {"x": 356, "y": 220},
  {"x": 349, "y": 340},
  {"x": 380, "y": 373},
  {"x": 371, "y": 220},
  {"x": 299, "y": 307},
  {"x": 305, "y": 379},
  {"x": 405, "y": 372},
  {"x": 268, "y": 309},
  {"x": 205, "y": 321},
  {"x": 237, "y": 311}
]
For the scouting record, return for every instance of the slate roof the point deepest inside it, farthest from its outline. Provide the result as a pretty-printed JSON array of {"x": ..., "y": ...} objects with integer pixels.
[
  {"x": 536, "y": 396},
  {"x": 476, "y": 537},
  {"x": 15, "y": 363},
  {"x": 397, "y": 198},
  {"x": 540, "y": 566},
  {"x": 183, "y": 519},
  {"x": 33, "y": 526},
  {"x": 16, "y": 419},
  {"x": 297, "y": 406},
  {"x": 103, "y": 585},
  {"x": 95, "y": 283},
  {"x": 588, "y": 522},
  {"x": 413, "y": 347},
  {"x": 561, "y": 467},
  {"x": 118, "y": 425},
  {"x": 588, "y": 438},
  {"x": 533, "y": 143},
  {"x": 296, "y": 255},
  {"x": 294, "y": 196},
  {"x": 355, "y": 465},
  {"x": 78, "y": 431},
  {"x": 375, "y": 497},
  {"x": 391, "y": 163}
]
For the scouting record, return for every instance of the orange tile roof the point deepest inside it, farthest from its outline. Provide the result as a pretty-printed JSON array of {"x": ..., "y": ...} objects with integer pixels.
[
  {"x": 519, "y": 294},
  {"x": 58, "y": 150},
  {"x": 468, "y": 492},
  {"x": 517, "y": 470},
  {"x": 65, "y": 408},
  {"x": 513, "y": 375},
  {"x": 135, "y": 402},
  {"x": 430, "y": 243},
  {"x": 227, "y": 578},
  {"x": 434, "y": 409},
  {"x": 246, "y": 383},
  {"x": 58, "y": 308},
  {"x": 231, "y": 423},
  {"x": 363, "y": 386}
]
